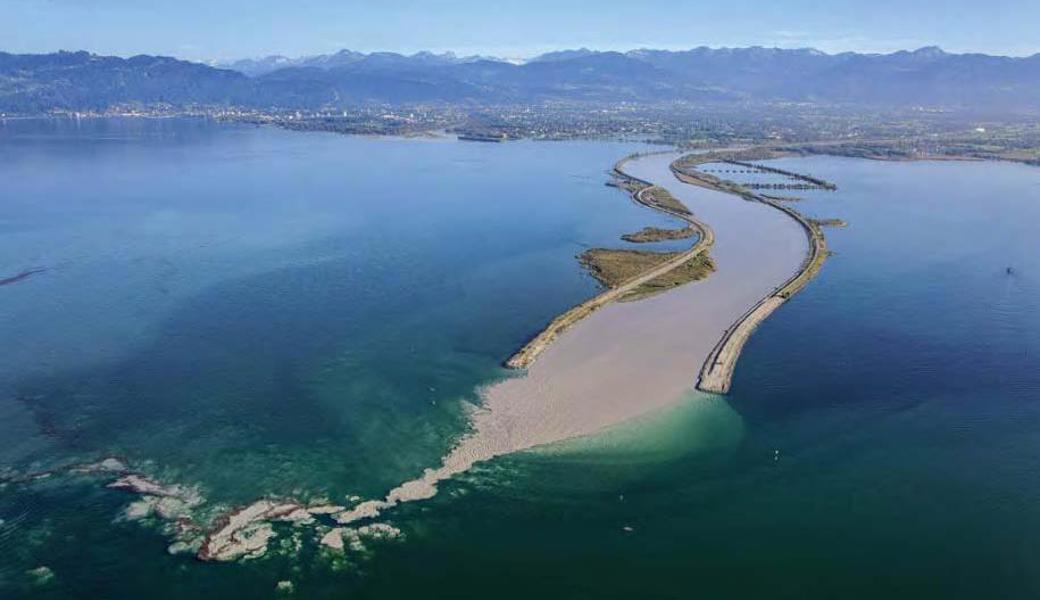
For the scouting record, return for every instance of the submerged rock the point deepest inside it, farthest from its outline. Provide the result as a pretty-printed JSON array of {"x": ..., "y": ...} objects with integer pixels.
[
  {"x": 246, "y": 531},
  {"x": 365, "y": 510},
  {"x": 181, "y": 547},
  {"x": 341, "y": 538},
  {"x": 139, "y": 484},
  {"x": 40, "y": 576},
  {"x": 143, "y": 485},
  {"x": 106, "y": 465},
  {"x": 325, "y": 509},
  {"x": 251, "y": 541},
  {"x": 165, "y": 507},
  {"x": 333, "y": 539},
  {"x": 243, "y": 533},
  {"x": 380, "y": 531},
  {"x": 169, "y": 502},
  {"x": 298, "y": 517}
]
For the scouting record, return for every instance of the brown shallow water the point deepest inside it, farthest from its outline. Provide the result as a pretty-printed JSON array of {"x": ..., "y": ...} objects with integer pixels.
[{"x": 628, "y": 359}]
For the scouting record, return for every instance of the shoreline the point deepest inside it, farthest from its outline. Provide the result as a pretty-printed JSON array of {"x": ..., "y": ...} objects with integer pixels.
[{"x": 869, "y": 148}]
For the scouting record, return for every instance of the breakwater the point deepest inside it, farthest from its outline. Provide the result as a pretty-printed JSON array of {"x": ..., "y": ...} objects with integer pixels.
[
  {"x": 717, "y": 371},
  {"x": 809, "y": 179}
]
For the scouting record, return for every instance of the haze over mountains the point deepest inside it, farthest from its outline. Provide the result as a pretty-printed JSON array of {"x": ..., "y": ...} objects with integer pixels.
[
  {"x": 260, "y": 66},
  {"x": 924, "y": 77}
]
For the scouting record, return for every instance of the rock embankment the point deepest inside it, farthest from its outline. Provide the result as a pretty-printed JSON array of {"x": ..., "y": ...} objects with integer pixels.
[{"x": 717, "y": 372}]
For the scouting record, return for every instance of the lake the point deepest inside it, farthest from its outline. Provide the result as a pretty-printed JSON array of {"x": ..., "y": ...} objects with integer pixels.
[{"x": 259, "y": 312}]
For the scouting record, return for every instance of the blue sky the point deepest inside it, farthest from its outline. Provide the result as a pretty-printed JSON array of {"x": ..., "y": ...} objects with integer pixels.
[{"x": 224, "y": 29}]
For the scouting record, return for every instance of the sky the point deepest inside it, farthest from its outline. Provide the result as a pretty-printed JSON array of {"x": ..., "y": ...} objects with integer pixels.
[{"x": 229, "y": 29}]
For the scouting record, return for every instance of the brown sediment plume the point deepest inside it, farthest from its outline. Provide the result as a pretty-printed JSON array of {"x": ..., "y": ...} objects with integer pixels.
[
  {"x": 660, "y": 199},
  {"x": 593, "y": 376}
]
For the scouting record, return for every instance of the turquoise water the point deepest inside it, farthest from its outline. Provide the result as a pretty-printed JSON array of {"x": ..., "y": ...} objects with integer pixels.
[
  {"x": 263, "y": 312},
  {"x": 296, "y": 305}
]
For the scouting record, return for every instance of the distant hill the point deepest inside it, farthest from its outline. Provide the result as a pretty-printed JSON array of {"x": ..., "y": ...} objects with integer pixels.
[
  {"x": 80, "y": 80},
  {"x": 924, "y": 77}
]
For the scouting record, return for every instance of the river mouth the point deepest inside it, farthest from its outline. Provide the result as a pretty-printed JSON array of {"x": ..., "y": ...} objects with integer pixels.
[
  {"x": 625, "y": 361},
  {"x": 628, "y": 359},
  {"x": 880, "y": 434}
]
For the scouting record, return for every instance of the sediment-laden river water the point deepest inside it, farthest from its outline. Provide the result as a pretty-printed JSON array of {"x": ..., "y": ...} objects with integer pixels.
[{"x": 252, "y": 312}]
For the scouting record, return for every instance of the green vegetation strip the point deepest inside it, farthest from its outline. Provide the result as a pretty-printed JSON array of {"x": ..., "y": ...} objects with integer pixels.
[
  {"x": 656, "y": 234},
  {"x": 614, "y": 267}
]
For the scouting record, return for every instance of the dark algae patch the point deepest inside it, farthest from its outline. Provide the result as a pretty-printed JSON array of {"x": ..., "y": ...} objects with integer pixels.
[{"x": 21, "y": 276}]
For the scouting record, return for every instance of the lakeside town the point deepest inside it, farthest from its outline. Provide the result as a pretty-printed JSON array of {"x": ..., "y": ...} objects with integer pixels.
[{"x": 883, "y": 133}]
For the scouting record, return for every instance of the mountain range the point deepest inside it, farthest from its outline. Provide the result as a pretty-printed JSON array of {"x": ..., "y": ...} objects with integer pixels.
[{"x": 926, "y": 77}]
